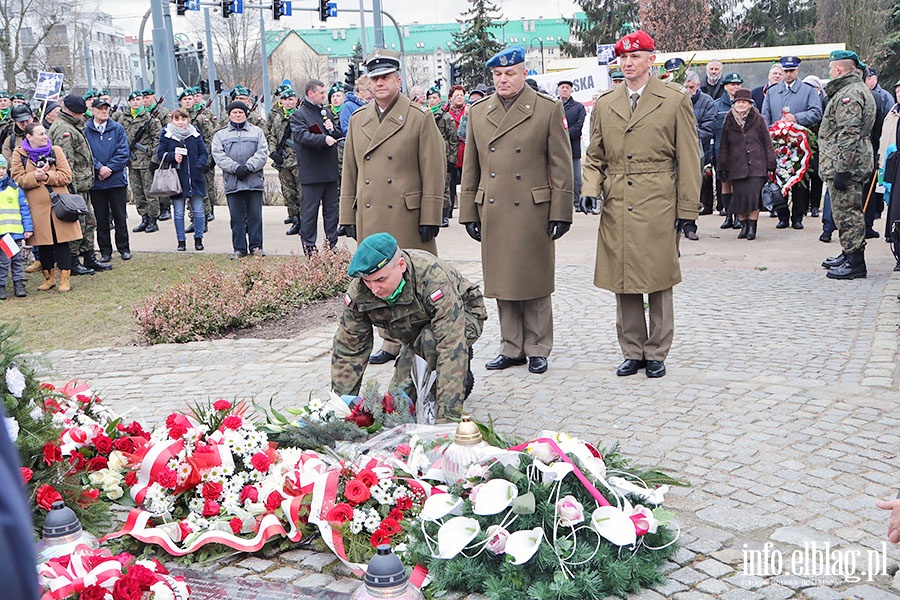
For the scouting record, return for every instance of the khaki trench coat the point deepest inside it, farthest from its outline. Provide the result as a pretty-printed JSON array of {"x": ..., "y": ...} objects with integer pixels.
[
  {"x": 394, "y": 171},
  {"x": 517, "y": 177},
  {"x": 39, "y": 198},
  {"x": 647, "y": 168}
]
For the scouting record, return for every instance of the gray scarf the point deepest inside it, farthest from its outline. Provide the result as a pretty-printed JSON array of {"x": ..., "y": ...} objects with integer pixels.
[{"x": 180, "y": 134}]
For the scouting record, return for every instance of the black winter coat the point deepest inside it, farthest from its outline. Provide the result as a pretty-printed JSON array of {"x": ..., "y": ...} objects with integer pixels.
[
  {"x": 748, "y": 152},
  {"x": 317, "y": 161},
  {"x": 191, "y": 171},
  {"x": 575, "y": 114}
]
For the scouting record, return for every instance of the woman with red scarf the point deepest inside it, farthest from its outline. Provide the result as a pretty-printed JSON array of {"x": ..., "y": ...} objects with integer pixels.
[{"x": 456, "y": 107}]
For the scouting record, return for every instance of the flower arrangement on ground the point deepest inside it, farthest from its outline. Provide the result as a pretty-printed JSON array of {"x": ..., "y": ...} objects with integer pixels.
[
  {"x": 553, "y": 519},
  {"x": 97, "y": 574},
  {"x": 793, "y": 152}
]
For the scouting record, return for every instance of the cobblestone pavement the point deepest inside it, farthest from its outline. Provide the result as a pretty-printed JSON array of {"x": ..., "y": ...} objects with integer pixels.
[{"x": 779, "y": 408}]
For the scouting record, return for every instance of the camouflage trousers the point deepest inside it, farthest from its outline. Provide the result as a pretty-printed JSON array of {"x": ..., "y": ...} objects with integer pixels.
[
  {"x": 848, "y": 216},
  {"x": 88, "y": 227},
  {"x": 447, "y": 200},
  {"x": 211, "y": 197},
  {"x": 140, "y": 180},
  {"x": 289, "y": 177}
]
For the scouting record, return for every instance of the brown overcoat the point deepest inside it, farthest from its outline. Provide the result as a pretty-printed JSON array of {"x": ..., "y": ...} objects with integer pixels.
[
  {"x": 646, "y": 166},
  {"x": 59, "y": 176},
  {"x": 394, "y": 171},
  {"x": 746, "y": 152},
  {"x": 517, "y": 177}
]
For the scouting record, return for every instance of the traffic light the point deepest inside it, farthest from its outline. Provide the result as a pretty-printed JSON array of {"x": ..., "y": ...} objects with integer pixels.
[
  {"x": 350, "y": 75},
  {"x": 180, "y": 7},
  {"x": 323, "y": 10},
  {"x": 277, "y": 9},
  {"x": 200, "y": 52},
  {"x": 204, "y": 87},
  {"x": 454, "y": 74},
  {"x": 226, "y": 8}
]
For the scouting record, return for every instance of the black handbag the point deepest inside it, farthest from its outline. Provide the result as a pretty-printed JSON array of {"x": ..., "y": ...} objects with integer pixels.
[
  {"x": 68, "y": 207},
  {"x": 772, "y": 197}
]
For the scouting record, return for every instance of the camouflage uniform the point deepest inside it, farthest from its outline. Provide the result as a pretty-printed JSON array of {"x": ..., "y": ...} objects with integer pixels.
[
  {"x": 142, "y": 151},
  {"x": 67, "y": 132},
  {"x": 447, "y": 127},
  {"x": 205, "y": 122},
  {"x": 288, "y": 174},
  {"x": 335, "y": 118},
  {"x": 439, "y": 315},
  {"x": 845, "y": 147}
]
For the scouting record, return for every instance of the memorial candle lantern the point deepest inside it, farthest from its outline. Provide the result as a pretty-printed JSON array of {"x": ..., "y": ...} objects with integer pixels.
[
  {"x": 62, "y": 533},
  {"x": 468, "y": 447},
  {"x": 386, "y": 577}
]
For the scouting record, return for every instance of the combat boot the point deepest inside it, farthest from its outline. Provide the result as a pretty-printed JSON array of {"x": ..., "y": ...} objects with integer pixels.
[
  {"x": 142, "y": 226},
  {"x": 295, "y": 227},
  {"x": 34, "y": 267},
  {"x": 165, "y": 214},
  {"x": 151, "y": 226},
  {"x": 834, "y": 261},
  {"x": 19, "y": 289},
  {"x": 852, "y": 268},
  {"x": 64, "y": 281},
  {"x": 91, "y": 262},
  {"x": 49, "y": 281}
]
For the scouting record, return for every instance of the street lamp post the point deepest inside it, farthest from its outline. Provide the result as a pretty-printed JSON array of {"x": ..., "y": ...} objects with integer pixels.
[{"x": 541, "y": 42}]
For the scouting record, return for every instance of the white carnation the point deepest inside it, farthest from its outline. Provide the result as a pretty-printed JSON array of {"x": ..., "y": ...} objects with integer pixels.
[{"x": 15, "y": 381}]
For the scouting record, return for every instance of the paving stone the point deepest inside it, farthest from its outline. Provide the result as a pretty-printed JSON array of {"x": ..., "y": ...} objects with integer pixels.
[
  {"x": 868, "y": 592},
  {"x": 799, "y": 535},
  {"x": 822, "y": 593},
  {"x": 713, "y": 586},
  {"x": 741, "y": 595},
  {"x": 776, "y": 592},
  {"x": 257, "y": 565},
  {"x": 319, "y": 560},
  {"x": 739, "y": 519},
  {"x": 670, "y": 588},
  {"x": 713, "y": 568},
  {"x": 692, "y": 596},
  {"x": 346, "y": 585},
  {"x": 315, "y": 581},
  {"x": 687, "y": 575},
  {"x": 285, "y": 575},
  {"x": 233, "y": 571},
  {"x": 683, "y": 556}
]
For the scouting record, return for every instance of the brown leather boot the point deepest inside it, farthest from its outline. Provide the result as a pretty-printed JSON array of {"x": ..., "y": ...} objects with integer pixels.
[
  {"x": 49, "y": 280},
  {"x": 64, "y": 281},
  {"x": 34, "y": 267}
]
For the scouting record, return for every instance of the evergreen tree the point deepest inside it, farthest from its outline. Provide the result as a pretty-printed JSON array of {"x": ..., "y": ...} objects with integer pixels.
[
  {"x": 676, "y": 25},
  {"x": 604, "y": 22},
  {"x": 475, "y": 44},
  {"x": 357, "y": 58},
  {"x": 890, "y": 66},
  {"x": 780, "y": 23}
]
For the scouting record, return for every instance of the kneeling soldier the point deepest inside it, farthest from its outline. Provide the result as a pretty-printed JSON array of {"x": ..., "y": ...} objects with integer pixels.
[{"x": 421, "y": 301}]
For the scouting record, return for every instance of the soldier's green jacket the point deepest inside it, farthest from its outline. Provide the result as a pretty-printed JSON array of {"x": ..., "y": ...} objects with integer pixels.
[
  {"x": 275, "y": 129},
  {"x": 447, "y": 126},
  {"x": 205, "y": 122},
  {"x": 143, "y": 149},
  {"x": 844, "y": 143},
  {"x": 437, "y": 302},
  {"x": 67, "y": 132}
]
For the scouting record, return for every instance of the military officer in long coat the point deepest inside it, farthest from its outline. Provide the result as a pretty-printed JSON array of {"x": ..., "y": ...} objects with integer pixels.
[
  {"x": 394, "y": 170},
  {"x": 516, "y": 193},
  {"x": 644, "y": 159}
]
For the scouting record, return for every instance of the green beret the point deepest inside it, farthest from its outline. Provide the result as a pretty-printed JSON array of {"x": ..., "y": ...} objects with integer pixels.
[
  {"x": 104, "y": 92},
  {"x": 4, "y": 95},
  {"x": 149, "y": 92},
  {"x": 433, "y": 90},
  {"x": 186, "y": 92},
  {"x": 239, "y": 90},
  {"x": 288, "y": 93},
  {"x": 136, "y": 94},
  {"x": 90, "y": 94},
  {"x": 846, "y": 55},
  {"x": 18, "y": 97},
  {"x": 373, "y": 254}
]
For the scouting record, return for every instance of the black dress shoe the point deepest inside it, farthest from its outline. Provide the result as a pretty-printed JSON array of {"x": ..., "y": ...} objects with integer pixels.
[
  {"x": 797, "y": 223},
  {"x": 381, "y": 357},
  {"x": 825, "y": 237},
  {"x": 504, "y": 362},
  {"x": 105, "y": 258},
  {"x": 656, "y": 368},
  {"x": 871, "y": 234},
  {"x": 91, "y": 263},
  {"x": 79, "y": 269},
  {"x": 706, "y": 211},
  {"x": 782, "y": 224},
  {"x": 126, "y": 256},
  {"x": 691, "y": 236},
  {"x": 814, "y": 212},
  {"x": 537, "y": 364},
  {"x": 630, "y": 366}
]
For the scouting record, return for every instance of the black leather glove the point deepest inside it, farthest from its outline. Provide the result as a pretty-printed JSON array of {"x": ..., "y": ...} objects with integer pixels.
[
  {"x": 276, "y": 157},
  {"x": 842, "y": 181},
  {"x": 428, "y": 232},
  {"x": 242, "y": 172},
  {"x": 347, "y": 230},
  {"x": 557, "y": 229},
  {"x": 474, "y": 230},
  {"x": 679, "y": 225},
  {"x": 587, "y": 204},
  {"x": 723, "y": 176}
]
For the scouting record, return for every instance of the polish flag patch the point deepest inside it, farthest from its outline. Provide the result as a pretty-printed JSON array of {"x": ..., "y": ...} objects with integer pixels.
[
  {"x": 347, "y": 299},
  {"x": 436, "y": 295}
]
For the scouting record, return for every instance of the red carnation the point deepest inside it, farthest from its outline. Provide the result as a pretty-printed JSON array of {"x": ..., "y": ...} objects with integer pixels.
[
  {"x": 124, "y": 444},
  {"x": 46, "y": 495},
  {"x": 404, "y": 503},
  {"x": 88, "y": 497},
  {"x": 261, "y": 462},
  {"x": 221, "y": 405},
  {"x": 176, "y": 431},
  {"x": 97, "y": 463},
  {"x": 379, "y": 537},
  {"x": 94, "y": 592},
  {"x": 390, "y": 526},
  {"x": 185, "y": 529},
  {"x": 103, "y": 444},
  {"x": 167, "y": 478},
  {"x": 211, "y": 508},
  {"x": 77, "y": 460},
  {"x": 52, "y": 453},
  {"x": 27, "y": 474},
  {"x": 356, "y": 492},
  {"x": 232, "y": 422},
  {"x": 340, "y": 513},
  {"x": 273, "y": 501},
  {"x": 249, "y": 492},
  {"x": 127, "y": 588},
  {"x": 143, "y": 576},
  {"x": 235, "y": 523},
  {"x": 368, "y": 477},
  {"x": 131, "y": 478},
  {"x": 359, "y": 416},
  {"x": 212, "y": 490},
  {"x": 396, "y": 513}
]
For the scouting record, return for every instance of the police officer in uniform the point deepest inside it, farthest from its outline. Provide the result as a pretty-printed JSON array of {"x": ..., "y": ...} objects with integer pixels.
[
  {"x": 284, "y": 159},
  {"x": 424, "y": 303},
  {"x": 394, "y": 170},
  {"x": 644, "y": 157},
  {"x": 846, "y": 158},
  {"x": 516, "y": 193},
  {"x": 142, "y": 130}
]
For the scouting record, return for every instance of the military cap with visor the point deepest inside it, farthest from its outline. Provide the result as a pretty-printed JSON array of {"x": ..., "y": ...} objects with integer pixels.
[{"x": 382, "y": 62}]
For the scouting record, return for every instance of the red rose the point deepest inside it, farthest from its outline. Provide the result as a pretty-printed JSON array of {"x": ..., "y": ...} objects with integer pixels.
[
  {"x": 404, "y": 450},
  {"x": 52, "y": 453},
  {"x": 232, "y": 422},
  {"x": 136, "y": 429},
  {"x": 88, "y": 497},
  {"x": 396, "y": 513},
  {"x": 27, "y": 474},
  {"x": 185, "y": 529},
  {"x": 176, "y": 431},
  {"x": 356, "y": 492},
  {"x": 273, "y": 501},
  {"x": 249, "y": 492},
  {"x": 368, "y": 477},
  {"x": 211, "y": 508},
  {"x": 124, "y": 558},
  {"x": 390, "y": 526},
  {"x": 260, "y": 462},
  {"x": 359, "y": 416},
  {"x": 235, "y": 523},
  {"x": 221, "y": 405},
  {"x": 212, "y": 490},
  {"x": 46, "y": 495},
  {"x": 340, "y": 513},
  {"x": 94, "y": 592},
  {"x": 103, "y": 444},
  {"x": 124, "y": 444},
  {"x": 404, "y": 503},
  {"x": 97, "y": 463},
  {"x": 77, "y": 461},
  {"x": 143, "y": 576},
  {"x": 379, "y": 537},
  {"x": 167, "y": 478},
  {"x": 131, "y": 478},
  {"x": 127, "y": 588}
]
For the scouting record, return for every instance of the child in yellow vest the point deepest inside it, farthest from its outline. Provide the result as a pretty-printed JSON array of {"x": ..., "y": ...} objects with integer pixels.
[{"x": 15, "y": 220}]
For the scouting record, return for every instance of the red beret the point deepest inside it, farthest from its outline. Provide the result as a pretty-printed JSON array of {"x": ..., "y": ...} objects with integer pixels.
[{"x": 633, "y": 42}]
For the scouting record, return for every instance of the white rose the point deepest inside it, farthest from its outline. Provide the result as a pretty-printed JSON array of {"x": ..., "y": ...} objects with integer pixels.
[{"x": 15, "y": 381}]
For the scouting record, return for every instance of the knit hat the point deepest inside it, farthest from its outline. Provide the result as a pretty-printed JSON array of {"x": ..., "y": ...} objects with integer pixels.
[
  {"x": 237, "y": 105},
  {"x": 3, "y": 162}
]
